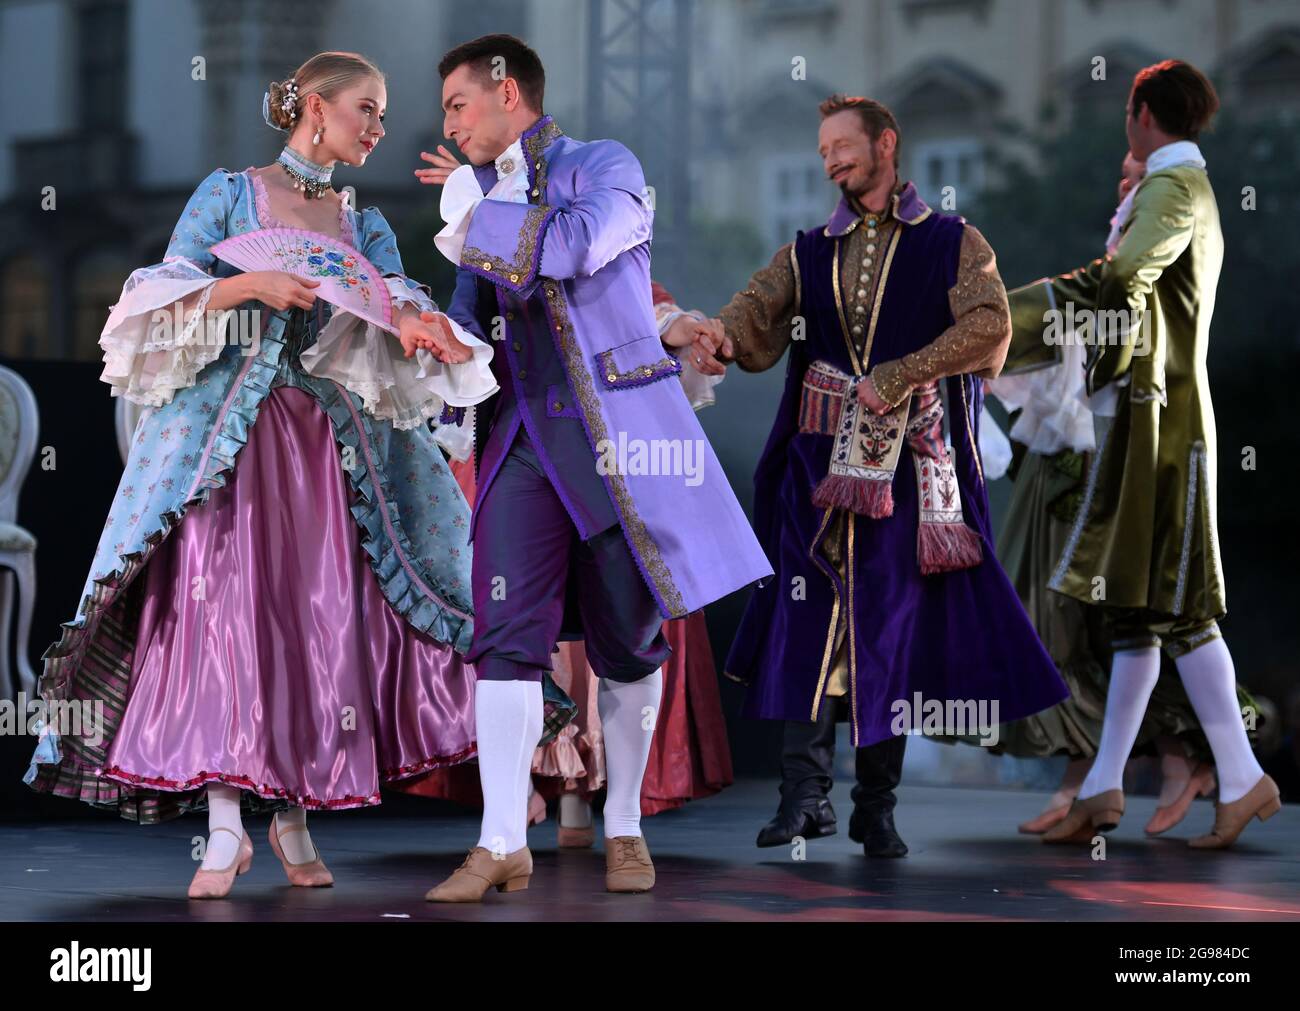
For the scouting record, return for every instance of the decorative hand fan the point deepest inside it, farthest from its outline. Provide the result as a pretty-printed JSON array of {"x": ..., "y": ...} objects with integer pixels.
[{"x": 347, "y": 279}]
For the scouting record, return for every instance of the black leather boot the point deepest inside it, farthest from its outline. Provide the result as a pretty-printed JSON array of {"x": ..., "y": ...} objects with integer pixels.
[
  {"x": 879, "y": 769},
  {"x": 807, "y": 757}
]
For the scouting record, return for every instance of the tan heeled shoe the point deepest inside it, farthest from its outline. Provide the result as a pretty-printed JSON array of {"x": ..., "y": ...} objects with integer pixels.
[
  {"x": 309, "y": 873},
  {"x": 575, "y": 838},
  {"x": 1087, "y": 816},
  {"x": 1201, "y": 783},
  {"x": 627, "y": 865},
  {"x": 1262, "y": 801},
  {"x": 216, "y": 884},
  {"x": 1045, "y": 821},
  {"x": 482, "y": 871}
]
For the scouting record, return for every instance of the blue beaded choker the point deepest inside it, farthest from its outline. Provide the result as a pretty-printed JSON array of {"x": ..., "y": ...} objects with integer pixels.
[{"x": 312, "y": 179}]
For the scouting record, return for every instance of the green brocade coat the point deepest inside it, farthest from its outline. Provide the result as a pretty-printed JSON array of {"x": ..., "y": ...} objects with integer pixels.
[{"x": 1146, "y": 523}]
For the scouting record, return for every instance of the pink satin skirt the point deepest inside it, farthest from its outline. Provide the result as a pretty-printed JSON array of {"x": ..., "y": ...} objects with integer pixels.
[{"x": 267, "y": 657}]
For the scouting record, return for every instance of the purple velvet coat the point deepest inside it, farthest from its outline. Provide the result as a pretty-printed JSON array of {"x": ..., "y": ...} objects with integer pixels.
[
  {"x": 579, "y": 252},
  {"x": 961, "y": 636}
]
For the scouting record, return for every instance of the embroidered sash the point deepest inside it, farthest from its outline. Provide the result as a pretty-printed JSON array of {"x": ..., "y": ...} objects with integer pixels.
[{"x": 865, "y": 455}]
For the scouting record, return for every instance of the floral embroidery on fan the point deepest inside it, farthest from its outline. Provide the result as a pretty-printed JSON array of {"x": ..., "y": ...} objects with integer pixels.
[{"x": 321, "y": 262}]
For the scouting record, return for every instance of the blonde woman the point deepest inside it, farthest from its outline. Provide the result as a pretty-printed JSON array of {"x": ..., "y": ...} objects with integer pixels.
[{"x": 274, "y": 613}]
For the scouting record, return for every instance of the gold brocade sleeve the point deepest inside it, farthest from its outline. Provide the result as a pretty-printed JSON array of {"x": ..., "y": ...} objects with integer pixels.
[
  {"x": 976, "y": 342},
  {"x": 759, "y": 319}
]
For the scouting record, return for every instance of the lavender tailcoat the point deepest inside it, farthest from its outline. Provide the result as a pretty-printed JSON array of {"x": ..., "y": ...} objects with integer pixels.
[{"x": 580, "y": 249}]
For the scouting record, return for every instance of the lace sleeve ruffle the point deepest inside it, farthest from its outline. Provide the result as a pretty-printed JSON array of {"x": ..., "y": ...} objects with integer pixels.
[
  {"x": 149, "y": 354},
  {"x": 370, "y": 362}
]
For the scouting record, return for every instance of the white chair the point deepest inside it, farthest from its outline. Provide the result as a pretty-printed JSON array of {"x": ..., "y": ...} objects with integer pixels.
[{"x": 19, "y": 430}]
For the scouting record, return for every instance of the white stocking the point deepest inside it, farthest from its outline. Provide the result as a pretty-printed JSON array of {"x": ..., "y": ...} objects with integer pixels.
[
  {"x": 508, "y": 717},
  {"x": 1133, "y": 676},
  {"x": 628, "y": 714},
  {"x": 1211, "y": 683},
  {"x": 223, "y": 812}
]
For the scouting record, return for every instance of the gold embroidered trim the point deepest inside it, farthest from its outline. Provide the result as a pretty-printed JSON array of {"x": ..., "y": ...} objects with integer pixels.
[
  {"x": 970, "y": 434},
  {"x": 880, "y": 294},
  {"x": 633, "y": 526},
  {"x": 839, "y": 308},
  {"x": 521, "y": 267},
  {"x": 835, "y": 618},
  {"x": 537, "y": 164},
  {"x": 853, "y": 638}
]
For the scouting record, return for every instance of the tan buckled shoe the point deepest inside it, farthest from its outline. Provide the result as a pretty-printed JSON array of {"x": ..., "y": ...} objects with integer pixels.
[
  {"x": 1263, "y": 801},
  {"x": 481, "y": 871},
  {"x": 627, "y": 865},
  {"x": 1100, "y": 812}
]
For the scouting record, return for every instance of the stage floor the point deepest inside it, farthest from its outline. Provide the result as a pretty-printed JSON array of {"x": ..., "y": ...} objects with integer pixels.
[{"x": 966, "y": 863}]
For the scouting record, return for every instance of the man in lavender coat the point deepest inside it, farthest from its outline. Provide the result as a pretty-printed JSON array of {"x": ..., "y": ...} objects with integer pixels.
[{"x": 591, "y": 464}]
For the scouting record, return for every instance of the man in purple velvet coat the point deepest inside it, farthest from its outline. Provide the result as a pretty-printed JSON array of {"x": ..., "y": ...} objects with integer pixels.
[
  {"x": 889, "y": 603},
  {"x": 592, "y": 469}
]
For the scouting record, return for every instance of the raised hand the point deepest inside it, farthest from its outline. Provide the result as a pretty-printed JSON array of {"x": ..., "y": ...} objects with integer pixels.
[{"x": 444, "y": 164}]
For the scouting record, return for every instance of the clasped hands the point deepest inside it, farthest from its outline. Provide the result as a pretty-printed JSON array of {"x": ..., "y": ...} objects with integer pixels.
[
  {"x": 433, "y": 332},
  {"x": 711, "y": 349}
]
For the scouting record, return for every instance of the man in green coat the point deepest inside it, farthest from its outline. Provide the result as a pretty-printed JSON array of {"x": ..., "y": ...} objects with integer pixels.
[{"x": 1144, "y": 544}]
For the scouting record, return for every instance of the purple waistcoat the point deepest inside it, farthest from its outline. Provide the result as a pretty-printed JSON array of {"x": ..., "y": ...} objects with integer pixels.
[
  {"x": 580, "y": 252},
  {"x": 954, "y": 636}
]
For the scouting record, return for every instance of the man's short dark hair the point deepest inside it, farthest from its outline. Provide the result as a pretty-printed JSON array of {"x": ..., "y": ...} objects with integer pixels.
[
  {"x": 517, "y": 60},
  {"x": 875, "y": 116},
  {"x": 1181, "y": 99}
]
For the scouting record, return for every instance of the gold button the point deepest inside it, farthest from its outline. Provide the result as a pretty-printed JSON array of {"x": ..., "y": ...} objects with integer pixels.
[
  {"x": 861, "y": 308},
  {"x": 559, "y": 327},
  {"x": 510, "y": 315},
  {"x": 857, "y": 328},
  {"x": 487, "y": 264},
  {"x": 523, "y": 373},
  {"x": 557, "y": 406},
  {"x": 612, "y": 377},
  {"x": 537, "y": 164},
  {"x": 648, "y": 371},
  {"x": 862, "y": 293},
  {"x": 518, "y": 346},
  {"x": 514, "y": 278},
  {"x": 536, "y": 191}
]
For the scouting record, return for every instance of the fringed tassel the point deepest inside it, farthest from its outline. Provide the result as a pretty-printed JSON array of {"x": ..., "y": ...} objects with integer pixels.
[
  {"x": 947, "y": 547},
  {"x": 866, "y": 498}
]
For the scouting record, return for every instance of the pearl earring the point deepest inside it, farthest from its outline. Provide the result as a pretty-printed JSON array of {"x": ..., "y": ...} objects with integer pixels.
[{"x": 319, "y": 131}]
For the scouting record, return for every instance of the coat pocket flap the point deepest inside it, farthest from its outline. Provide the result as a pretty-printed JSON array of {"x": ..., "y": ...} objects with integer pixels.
[{"x": 636, "y": 363}]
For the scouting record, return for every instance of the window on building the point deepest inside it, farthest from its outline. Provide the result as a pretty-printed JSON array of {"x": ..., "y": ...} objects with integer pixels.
[
  {"x": 24, "y": 309},
  {"x": 795, "y": 195},
  {"x": 102, "y": 64}
]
